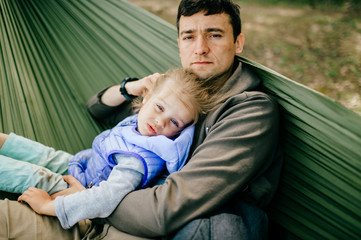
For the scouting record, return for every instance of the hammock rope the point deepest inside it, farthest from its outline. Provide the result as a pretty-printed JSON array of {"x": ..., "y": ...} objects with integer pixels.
[{"x": 56, "y": 54}]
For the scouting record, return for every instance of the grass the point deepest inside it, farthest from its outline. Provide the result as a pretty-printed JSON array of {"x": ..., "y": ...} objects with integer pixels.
[{"x": 318, "y": 47}]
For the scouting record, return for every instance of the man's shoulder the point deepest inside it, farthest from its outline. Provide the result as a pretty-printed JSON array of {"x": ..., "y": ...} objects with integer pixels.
[
  {"x": 242, "y": 105},
  {"x": 251, "y": 87},
  {"x": 243, "y": 79},
  {"x": 259, "y": 95},
  {"x": 256, "y": 96}
]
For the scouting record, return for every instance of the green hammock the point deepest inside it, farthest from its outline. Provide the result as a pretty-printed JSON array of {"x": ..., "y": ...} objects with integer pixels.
[{"x": 56, "y": 54}]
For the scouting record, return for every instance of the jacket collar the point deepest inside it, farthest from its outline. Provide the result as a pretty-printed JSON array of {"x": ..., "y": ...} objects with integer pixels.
[{"x": 249, "y": 81}]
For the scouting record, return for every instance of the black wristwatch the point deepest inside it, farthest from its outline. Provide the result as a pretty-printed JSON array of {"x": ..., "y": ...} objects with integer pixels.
[{"x": 123, "y": 91}]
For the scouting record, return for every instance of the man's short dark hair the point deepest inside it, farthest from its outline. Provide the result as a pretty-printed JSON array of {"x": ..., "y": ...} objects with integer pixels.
[{"x": 190, "y": 7}]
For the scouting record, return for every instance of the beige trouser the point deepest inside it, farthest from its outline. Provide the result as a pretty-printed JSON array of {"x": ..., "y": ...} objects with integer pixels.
[{"x": 19, "y": 221}]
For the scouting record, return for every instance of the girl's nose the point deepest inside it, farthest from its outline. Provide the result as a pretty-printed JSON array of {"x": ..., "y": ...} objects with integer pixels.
[{"x": 160, "y": 122}]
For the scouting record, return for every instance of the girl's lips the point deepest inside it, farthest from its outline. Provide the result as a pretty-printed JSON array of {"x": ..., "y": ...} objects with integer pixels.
[{"x": 151, "y": 129}]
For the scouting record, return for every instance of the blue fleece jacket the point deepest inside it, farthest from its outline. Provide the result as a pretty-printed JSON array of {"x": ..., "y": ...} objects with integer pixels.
[
  {"x": 94, "y": 165},
  {"x": 142, "y": 160}
]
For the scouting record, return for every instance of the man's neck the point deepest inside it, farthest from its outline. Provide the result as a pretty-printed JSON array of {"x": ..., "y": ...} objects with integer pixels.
[{"x": 220, "y": 80}]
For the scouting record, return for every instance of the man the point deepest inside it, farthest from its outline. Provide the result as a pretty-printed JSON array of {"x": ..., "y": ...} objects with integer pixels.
[
  {"x": 234, "y": 156},
  {"x": 234, "y": 164}
]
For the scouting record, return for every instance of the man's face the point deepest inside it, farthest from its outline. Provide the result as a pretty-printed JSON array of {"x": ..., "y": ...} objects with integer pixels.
[
  {"x": 206, "y": 44},
  {"x": 163, "y": 114}
]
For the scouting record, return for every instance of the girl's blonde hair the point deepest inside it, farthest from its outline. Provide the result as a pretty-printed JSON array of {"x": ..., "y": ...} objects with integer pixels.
[{"x": 197, "y": 95}]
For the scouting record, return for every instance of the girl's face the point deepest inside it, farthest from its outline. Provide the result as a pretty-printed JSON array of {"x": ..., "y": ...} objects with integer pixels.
[{"x": 163, "y": 114}]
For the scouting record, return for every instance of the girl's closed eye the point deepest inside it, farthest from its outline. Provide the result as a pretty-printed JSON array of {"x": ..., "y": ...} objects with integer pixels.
[
  {"x": 174, "y": 122},
  {"x": 160, "y": 108}
]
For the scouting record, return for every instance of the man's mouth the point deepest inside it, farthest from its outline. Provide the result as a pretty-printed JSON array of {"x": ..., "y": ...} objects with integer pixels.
[{"x": 201, "y": 63}]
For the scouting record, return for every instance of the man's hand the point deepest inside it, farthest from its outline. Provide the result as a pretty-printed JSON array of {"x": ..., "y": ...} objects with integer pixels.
[
  {"x": 74, "y": 186},
  {"x": 112, "y": 96},
  {"x": 140, "y": 87},
  {"x": 39, "y": 200}
]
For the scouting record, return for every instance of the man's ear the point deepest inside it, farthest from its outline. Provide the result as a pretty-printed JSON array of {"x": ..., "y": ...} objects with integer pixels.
[
  {"x": 178, "y": 41},
  {"x": 239, "y": 43}
]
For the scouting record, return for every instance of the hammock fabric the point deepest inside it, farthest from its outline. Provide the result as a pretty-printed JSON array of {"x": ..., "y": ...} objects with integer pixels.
[{"x": 56, "y": 54}]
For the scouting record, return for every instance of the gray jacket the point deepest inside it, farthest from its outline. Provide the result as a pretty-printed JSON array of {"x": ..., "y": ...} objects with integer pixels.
[{"x": 234, "y": 157}]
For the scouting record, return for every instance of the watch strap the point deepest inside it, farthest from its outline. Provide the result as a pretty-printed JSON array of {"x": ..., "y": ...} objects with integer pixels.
[{"x": 123, "y": 90}]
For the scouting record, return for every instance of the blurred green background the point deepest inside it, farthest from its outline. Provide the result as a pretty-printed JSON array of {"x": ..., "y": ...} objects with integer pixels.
[{"x": 314, "y": 42}]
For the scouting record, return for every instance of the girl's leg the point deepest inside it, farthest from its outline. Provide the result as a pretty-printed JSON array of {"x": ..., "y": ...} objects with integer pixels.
[
  {"x": 17, "y": 176},
  {"x": 23, "y": 149},
  {"x": 25, "y": 163}
]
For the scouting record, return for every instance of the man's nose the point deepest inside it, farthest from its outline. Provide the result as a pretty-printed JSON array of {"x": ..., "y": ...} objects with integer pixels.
[{"x": 201, "y": 46}]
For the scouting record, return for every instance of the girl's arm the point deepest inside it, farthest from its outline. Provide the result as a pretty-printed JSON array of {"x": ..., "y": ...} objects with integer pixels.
[
  {"x": 74, "y": 186},
  {"x": 40, "y": 201},
  {"x": 100, "y": 201}
]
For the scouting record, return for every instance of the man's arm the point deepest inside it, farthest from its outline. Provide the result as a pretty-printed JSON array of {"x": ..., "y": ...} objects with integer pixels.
[
  {"x": 239, "y": 147},
  {"x": 109, "y": 106},
  {"x": 108, "y": 115}
]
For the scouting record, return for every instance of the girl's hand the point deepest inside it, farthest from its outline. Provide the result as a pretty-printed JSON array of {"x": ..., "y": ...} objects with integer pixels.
[
  {"x": 39, "y": 200},
  {"x": 74, "y": 186}
]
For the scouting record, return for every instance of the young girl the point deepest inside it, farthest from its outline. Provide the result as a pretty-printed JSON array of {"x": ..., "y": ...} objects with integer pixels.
[{"x": 130, "y": 155}]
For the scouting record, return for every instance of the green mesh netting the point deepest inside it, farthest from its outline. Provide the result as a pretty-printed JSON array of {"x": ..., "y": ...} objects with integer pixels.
[{"x": 56, "y": 54}]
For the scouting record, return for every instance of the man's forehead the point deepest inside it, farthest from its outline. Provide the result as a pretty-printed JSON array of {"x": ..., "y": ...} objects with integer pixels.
[{"x": 218, "y": 22}]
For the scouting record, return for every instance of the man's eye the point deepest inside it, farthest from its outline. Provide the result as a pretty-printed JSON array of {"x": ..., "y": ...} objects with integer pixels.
[
  {"x": 174, "y": 122},
  {"x": 215, "y": 35},
  {"x": 187, "y": 38},
  {"x": 160, "y": 107}
]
